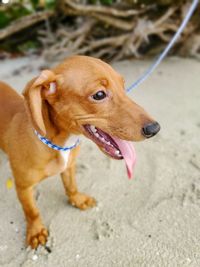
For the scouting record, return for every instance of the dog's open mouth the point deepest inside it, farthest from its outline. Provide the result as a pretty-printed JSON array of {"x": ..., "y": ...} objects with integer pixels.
[
  {"x": 113, "y": 146},
  {"x": 105, "y": 141}
]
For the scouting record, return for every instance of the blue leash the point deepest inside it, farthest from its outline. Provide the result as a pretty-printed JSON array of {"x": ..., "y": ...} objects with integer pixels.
[{"x": 149, "y": 71}]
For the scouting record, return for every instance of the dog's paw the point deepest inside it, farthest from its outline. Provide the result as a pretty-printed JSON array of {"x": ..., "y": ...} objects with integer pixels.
[
  {"x": 37, "y": 235},
  {"x": 82, "y": 201}
]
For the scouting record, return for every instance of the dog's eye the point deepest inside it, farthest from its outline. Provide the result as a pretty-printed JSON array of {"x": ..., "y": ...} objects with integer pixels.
[{"x": 99, "y": 95}]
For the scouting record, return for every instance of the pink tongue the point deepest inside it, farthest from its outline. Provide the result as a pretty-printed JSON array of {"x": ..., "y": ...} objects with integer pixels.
[{"x": 129, "y": 154}]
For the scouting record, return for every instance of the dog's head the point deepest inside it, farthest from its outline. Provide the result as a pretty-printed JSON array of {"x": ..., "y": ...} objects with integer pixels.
[{"x": 84, "y": 95}]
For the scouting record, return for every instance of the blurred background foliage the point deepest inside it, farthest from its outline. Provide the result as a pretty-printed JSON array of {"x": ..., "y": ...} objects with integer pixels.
[
  {"x": 18, "y": 9},
  {"x": 112, "y": 29}
]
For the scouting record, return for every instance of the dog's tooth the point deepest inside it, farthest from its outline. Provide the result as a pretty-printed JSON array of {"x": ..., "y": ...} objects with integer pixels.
[
  {"x": 93, "y": 129},
  {"x": 97, "y": 135},
  {"x": 117, "y": 152},
  {"x": 102, "y": 139}
]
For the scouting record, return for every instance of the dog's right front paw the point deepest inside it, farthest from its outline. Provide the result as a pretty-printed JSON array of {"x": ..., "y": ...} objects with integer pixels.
[
  {"x": 82, "y": 201},
  {"x": 37, "y": 235}
]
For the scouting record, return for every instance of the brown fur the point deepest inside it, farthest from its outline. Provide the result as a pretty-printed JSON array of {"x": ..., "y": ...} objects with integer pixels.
[{"x": 57, "y": 116}]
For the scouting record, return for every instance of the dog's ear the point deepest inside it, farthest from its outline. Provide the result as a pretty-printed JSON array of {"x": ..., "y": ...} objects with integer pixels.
[{"x": 43, "y": 85}]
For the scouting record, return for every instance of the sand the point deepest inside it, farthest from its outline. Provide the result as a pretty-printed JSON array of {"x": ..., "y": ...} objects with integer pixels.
[{"x": 152, "y": 220}]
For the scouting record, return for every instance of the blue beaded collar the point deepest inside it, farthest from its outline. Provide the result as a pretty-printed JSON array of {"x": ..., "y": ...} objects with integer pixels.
[{"x": 47, "y": 142}]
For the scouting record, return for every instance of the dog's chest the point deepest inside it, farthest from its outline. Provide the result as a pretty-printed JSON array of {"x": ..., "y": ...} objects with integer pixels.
[
  {"x": 69, "y": 143},
  {"x": 58, "y": 165},
  {"x": 65, "y": 157}
]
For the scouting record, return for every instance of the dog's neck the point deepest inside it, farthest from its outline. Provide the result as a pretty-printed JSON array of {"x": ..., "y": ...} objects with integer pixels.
[{"x": 55, "y": 133}]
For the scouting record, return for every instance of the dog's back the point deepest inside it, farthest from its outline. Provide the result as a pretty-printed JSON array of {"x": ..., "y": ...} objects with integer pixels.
[{"x": 10, "y": 104}]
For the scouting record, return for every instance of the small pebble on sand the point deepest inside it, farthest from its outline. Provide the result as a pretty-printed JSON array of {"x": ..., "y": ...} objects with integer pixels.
[
  {"x": 77, "y": 257},
  {"x": 34, "y": 257}
]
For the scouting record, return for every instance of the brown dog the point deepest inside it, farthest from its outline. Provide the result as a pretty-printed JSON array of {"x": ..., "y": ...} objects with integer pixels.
[{"x": 83, "y": 95}]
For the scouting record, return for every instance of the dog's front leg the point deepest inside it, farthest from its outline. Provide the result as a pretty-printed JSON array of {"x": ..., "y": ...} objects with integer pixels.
[
  {"x": 77, "y": 199},
  {"x": 36, "y": 232}
]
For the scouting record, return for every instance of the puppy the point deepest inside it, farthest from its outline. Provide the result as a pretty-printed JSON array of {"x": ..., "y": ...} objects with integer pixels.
[{"x": 39, "y": 130}]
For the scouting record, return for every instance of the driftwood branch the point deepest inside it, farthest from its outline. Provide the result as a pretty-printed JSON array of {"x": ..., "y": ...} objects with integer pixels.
[
  {"x": 24, "y": 23},
  {"x": 109, "y": 20},
  {"x": 106, "y": 10}
]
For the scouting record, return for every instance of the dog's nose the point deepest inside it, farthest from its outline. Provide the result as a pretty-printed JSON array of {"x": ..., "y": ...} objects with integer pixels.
[{"x": 151, "y": 129}]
